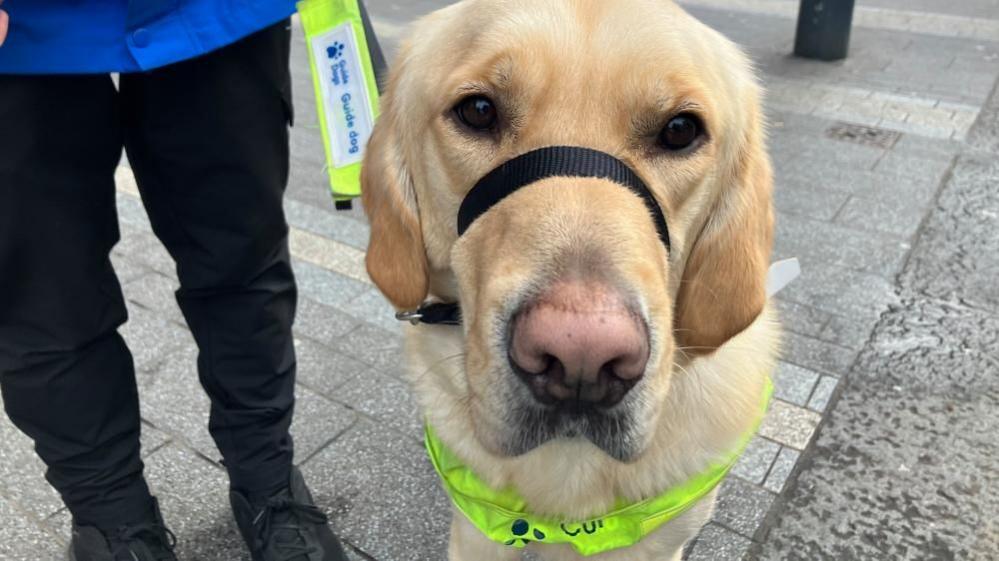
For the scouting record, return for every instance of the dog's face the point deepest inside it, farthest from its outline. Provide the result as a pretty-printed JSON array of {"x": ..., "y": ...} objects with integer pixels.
[{"x": 576, "y": 316}]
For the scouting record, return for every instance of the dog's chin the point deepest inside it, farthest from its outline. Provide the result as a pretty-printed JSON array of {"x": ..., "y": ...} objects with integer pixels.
[{"x": 528, "y": 427}]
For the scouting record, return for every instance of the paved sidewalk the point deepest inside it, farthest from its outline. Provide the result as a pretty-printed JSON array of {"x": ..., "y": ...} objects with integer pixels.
[{"x": 896, "y": 234}]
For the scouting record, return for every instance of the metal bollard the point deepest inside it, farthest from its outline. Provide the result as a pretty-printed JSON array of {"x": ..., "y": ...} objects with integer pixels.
[{"x": 824, "y": 29}]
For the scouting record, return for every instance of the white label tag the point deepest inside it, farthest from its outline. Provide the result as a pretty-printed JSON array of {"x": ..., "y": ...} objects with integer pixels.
[
  {"x": 782, "y": 273},
  {"x": 349, "y": 118}
]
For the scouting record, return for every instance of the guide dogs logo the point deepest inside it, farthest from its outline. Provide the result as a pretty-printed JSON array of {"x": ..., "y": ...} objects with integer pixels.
[
  {"x": 335, "y": 51},
  {"x": 520, "y": 529}
]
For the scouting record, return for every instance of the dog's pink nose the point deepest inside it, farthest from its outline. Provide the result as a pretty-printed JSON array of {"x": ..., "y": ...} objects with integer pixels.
[{"x": 579, "y": 345}]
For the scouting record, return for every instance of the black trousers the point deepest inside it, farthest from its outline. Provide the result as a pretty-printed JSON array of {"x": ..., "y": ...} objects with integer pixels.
[{"x": 208, "y": 142}]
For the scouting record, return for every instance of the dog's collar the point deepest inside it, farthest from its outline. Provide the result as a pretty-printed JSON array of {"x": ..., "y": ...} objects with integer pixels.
[{"x": 502, "y": 515}]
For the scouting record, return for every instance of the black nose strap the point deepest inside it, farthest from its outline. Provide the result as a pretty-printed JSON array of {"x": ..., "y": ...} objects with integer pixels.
[{"x": 555, "y": 161}]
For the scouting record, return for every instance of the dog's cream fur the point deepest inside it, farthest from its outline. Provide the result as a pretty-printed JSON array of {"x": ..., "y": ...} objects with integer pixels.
[{"x": 603, "y": 75}]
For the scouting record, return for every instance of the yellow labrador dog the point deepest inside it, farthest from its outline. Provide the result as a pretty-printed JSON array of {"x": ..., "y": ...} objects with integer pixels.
[{"x": 615, "y": 337}]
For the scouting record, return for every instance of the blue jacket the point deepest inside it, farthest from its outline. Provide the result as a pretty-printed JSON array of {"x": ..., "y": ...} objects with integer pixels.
[{"x": 98, "y": 36}]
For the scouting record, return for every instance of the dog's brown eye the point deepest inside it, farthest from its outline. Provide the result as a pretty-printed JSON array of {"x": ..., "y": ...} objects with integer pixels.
[
  {"x": 477, "y": 112},
  {"x": 680, "y": 132}
]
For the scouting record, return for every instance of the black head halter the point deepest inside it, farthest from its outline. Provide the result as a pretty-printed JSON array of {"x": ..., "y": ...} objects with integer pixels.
[{"x": 527, "y": 169}]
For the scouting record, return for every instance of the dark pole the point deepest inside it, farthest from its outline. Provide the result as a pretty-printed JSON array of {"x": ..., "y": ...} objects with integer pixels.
[
  {"x": 374, "y": 49},
  {"x": 824, "y": 29}
]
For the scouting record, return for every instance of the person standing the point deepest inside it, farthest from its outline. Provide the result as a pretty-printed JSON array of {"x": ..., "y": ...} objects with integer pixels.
[{"x": 202, "y": 109}]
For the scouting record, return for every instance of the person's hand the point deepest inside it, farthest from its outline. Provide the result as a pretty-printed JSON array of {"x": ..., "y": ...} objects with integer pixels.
[{"x": 3, "y": 25}]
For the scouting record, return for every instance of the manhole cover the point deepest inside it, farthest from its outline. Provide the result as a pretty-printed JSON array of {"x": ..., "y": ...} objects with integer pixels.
[{"x": 860, "y": 134}]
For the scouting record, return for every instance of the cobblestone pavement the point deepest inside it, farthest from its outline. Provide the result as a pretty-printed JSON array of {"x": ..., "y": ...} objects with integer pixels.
[{"x": 898, "y": 299}]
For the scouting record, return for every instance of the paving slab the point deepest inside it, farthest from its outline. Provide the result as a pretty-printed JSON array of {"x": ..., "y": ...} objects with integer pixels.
[
  {"x": 23, "y": 540},
  {"x": 793, "y": 383},
  {"x": 800, "y": 319},
  {"x": 754, "y": 465},
  {"x": 22, "y": 474},
  {"x": 385, "y": 399},
  {"x": 194, "y": 498},
  {"x": 382, "y": 493},
  {"x": 374, "y": 346},
  {"x": 320, "y": 323},
  {"x": 742, "y": 506},
  {"x": 789, "y": 424},
  {"x": 715, "y": 542},
  {"x": 781, "y": 469},
  {"x": 151, "y": 338},
  {"x": 324, "y": 370}
]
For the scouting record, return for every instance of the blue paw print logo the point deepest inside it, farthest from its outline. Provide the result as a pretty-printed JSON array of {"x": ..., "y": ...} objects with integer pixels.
[
  {"x": 336, "y": 51},
  {"x": 521, "y": 529}
]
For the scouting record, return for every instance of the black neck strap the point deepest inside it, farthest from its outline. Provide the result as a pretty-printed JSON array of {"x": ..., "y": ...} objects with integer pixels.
[{"x": 555, "y": 161}]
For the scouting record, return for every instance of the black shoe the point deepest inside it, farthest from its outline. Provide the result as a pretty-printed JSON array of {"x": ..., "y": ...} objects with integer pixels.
[
  {"x": 149, "y": 540},
  {"x": 286, "y": 527}
]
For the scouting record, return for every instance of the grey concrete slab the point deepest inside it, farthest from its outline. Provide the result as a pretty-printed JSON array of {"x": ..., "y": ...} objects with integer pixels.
[
  {"x": 131, "y": 214},
  {"x": 715, "y": 542},
  {"x": 321, "y": 323},
  {"x": 127, "y": 269},
  {"x": 372, "y": 307},
  {"x": 796, "y": 195},
  {"x": 742, "y": 506},
  {"x": 840, "y": 291},
  {"x": 172, "y": 401},
  {"x": 897, "y": 164},
  {"x": 22, "y": 474},
  {"x": 818, "y": 355},
  {"x": 755, "y": 462},
  {"x": 851, "y": 332},
  {"x": 156, "y": 292},
  {"x": 781, "y": 470},
  {"x": 23, "y": 540},
  {"x": 793, "y": 383},
  {"x": 863, "y": 183},
  {"x": 327, "y": 287},
  {"x": 985, "y": 137},
  {"x": 385, "y": 399},
  {"x": 823, "y": 393},
  {"x": 900, "y": 218},
  {"x": 318, "y": 422},
  {"x": 194, "y": 498},
  {"x": 799, "y": 318},
  {"x": 324, "y": 370},
  {"x": 959, "y": 259},
  {"x": 382, "y": 493},
  {"x": 789, "y": 424},
  {"x": 835, "y": 245},
  {"x": 151, "y": 338},
  {"x": 323, "y": 222},
  {"x": 374, "y": 346},
  {"x": 60, "y": 525}
]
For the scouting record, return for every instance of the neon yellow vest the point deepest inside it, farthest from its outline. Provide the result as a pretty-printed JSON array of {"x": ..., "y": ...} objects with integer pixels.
[{"x": 502, "y": 515}]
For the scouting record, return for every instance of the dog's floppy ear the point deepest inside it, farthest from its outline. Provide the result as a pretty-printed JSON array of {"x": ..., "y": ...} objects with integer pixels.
[
  {"x": 723, "y": 288},
  {"x": 396, "y": 258}
]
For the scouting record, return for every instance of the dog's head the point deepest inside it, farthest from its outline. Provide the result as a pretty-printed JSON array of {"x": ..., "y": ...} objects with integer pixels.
[{"x": 576, "y": 316}]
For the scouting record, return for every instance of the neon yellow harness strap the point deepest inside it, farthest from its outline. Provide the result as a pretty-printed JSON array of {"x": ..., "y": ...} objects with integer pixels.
[{"x": 502, "y": 515}]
